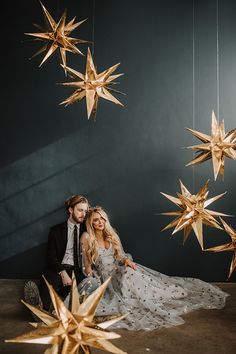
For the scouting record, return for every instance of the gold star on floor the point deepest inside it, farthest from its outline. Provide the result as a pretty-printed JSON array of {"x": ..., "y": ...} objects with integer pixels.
[
  {"x": 193, "y": 213},
  {"x": 72, "y": 331},
  {"x": 217, "y": 146},
  {"x": 231, "y": 246},
  {"x": 92, "y": 86},
  {"x": 57, "y": 36}
]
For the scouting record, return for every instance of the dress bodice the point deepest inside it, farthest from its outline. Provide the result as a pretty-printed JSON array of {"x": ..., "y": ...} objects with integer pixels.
[{"x": 105, "y": 260}]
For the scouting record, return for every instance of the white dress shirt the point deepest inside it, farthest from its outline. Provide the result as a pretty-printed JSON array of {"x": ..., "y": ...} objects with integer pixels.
[{"x": 68, "y": 257}]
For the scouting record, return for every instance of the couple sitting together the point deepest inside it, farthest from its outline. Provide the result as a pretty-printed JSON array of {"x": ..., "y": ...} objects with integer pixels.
[{"x": 88, "y": 245}]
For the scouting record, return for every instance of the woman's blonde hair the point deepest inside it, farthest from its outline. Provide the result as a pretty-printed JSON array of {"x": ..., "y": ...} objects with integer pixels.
[{"x": 109, "y": 234}]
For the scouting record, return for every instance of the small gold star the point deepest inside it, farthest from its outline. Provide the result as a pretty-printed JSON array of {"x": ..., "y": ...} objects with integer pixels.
[
  {"x": 217, "y": 146},
  {"x": 57, "y": 36},
  {"x": 193, "y": 213},
  {"x": 92, "y": 86}
]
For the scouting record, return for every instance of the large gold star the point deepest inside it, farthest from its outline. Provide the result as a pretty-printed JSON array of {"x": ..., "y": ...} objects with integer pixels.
[
  {"x": 72, "y": 331},
  {"x": 217, "y": 146},
  {"x": 57, "y": 36},
  {"x": 193, "y": 213},
  {"x": 92, "y": 86},
  {"x": 231, "y": 246}
]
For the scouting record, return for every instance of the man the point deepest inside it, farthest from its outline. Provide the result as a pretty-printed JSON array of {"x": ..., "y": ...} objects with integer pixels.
[{"x": 63, "y": 255}]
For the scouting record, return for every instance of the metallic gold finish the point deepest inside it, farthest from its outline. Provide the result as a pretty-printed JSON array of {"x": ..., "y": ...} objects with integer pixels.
[
  {"x": 217, "y": 146},
  {"x": 72, "y": 331},
  {"x": 92, "y": 86},
  {"x": 193, "y": 213},
  {"x": 231, "y": 246},
  {"x": 57, "y": 37}
]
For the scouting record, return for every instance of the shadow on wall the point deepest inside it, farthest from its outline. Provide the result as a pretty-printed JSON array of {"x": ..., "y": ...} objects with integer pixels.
[
  {"x": 33, "y": 190},
  {"x": 34, "y": 187}
]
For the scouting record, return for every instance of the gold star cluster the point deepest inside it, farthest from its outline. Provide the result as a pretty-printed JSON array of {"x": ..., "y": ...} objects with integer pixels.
[{"x": 90, "y": 85}]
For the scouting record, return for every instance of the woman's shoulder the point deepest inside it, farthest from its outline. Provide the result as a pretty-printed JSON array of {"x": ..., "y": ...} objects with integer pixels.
[{"x": 85, "y": 235}]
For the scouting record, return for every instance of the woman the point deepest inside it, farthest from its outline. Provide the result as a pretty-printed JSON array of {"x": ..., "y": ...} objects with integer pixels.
[{"x": 153, "y": 300}]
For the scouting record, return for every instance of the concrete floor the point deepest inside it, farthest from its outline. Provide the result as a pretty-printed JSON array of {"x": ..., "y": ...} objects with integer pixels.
[{"x": 205, "y": 331}]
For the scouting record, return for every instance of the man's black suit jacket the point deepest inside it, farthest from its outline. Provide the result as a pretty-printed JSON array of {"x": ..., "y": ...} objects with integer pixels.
[{"x": 56, "y": 248}]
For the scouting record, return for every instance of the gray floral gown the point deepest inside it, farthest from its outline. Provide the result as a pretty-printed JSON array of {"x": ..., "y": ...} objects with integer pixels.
[{"x": 153, "y": 300}]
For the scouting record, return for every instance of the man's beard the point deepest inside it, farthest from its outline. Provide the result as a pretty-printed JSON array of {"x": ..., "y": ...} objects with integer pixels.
[{"x": 76, "y": 219}]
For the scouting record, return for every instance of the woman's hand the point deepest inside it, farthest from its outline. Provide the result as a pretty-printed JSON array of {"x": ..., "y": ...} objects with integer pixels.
[
  {"x": 66, "y": 280},
  {"x": 129, "y": 263}
]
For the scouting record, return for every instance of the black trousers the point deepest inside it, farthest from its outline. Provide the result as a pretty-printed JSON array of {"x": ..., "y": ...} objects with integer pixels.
[{"x": 54, "y": 279}]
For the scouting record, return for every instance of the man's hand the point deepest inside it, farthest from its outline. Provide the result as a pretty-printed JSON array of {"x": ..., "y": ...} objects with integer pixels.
[
  {"x": 66, "y": 280},
  {"x": 129, "y": 263}
]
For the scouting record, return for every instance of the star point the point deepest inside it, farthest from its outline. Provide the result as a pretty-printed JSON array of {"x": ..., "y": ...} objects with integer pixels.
[{"x": 227, "y": 247}]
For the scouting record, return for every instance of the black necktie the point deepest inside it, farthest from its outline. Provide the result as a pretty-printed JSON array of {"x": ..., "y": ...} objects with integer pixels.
[{"x": 75, "y": 252}]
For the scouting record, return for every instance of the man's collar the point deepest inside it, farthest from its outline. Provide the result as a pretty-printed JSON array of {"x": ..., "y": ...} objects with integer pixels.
[{"x": 71, "y": 225}]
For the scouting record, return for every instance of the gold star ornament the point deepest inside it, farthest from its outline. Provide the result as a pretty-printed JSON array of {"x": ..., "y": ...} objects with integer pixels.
[
  {"x": 57, "y": 36},
  {"x": 216, "y": 146},
  {"x": 72, "y": 331},
  {"x": 92, "y": 85},
  {"x": 193, "y": 213},
  {"x": 231, "y": 246}
]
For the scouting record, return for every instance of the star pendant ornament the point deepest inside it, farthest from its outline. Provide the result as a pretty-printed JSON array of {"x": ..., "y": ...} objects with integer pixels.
[
  {"x": 57, "y": 37},
  {"x": 231, "y": 246},
  {"x": 216, "y": 146},
  {"x": 92, "y": 85},
  {"x": 72, "y": 331},
  {"x": 193, "y": 213}
]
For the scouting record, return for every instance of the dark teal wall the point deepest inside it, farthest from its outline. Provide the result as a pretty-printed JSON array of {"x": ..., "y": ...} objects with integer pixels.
[{"x": 130, "y": 154}]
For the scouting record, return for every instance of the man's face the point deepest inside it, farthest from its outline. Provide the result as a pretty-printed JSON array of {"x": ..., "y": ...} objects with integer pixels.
[{"x": 78, "y": 213}]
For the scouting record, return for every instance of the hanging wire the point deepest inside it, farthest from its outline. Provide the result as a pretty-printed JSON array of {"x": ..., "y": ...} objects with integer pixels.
[
  {"x": 217, "y": 61},
  {"x": 58, "y": 10},
  {"x": 193, "y": 85},
  {"x": 93, "y": 29}
]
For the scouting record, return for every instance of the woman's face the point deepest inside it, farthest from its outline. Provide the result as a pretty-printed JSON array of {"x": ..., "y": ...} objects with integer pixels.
[{"x": 98, "y": 222}]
